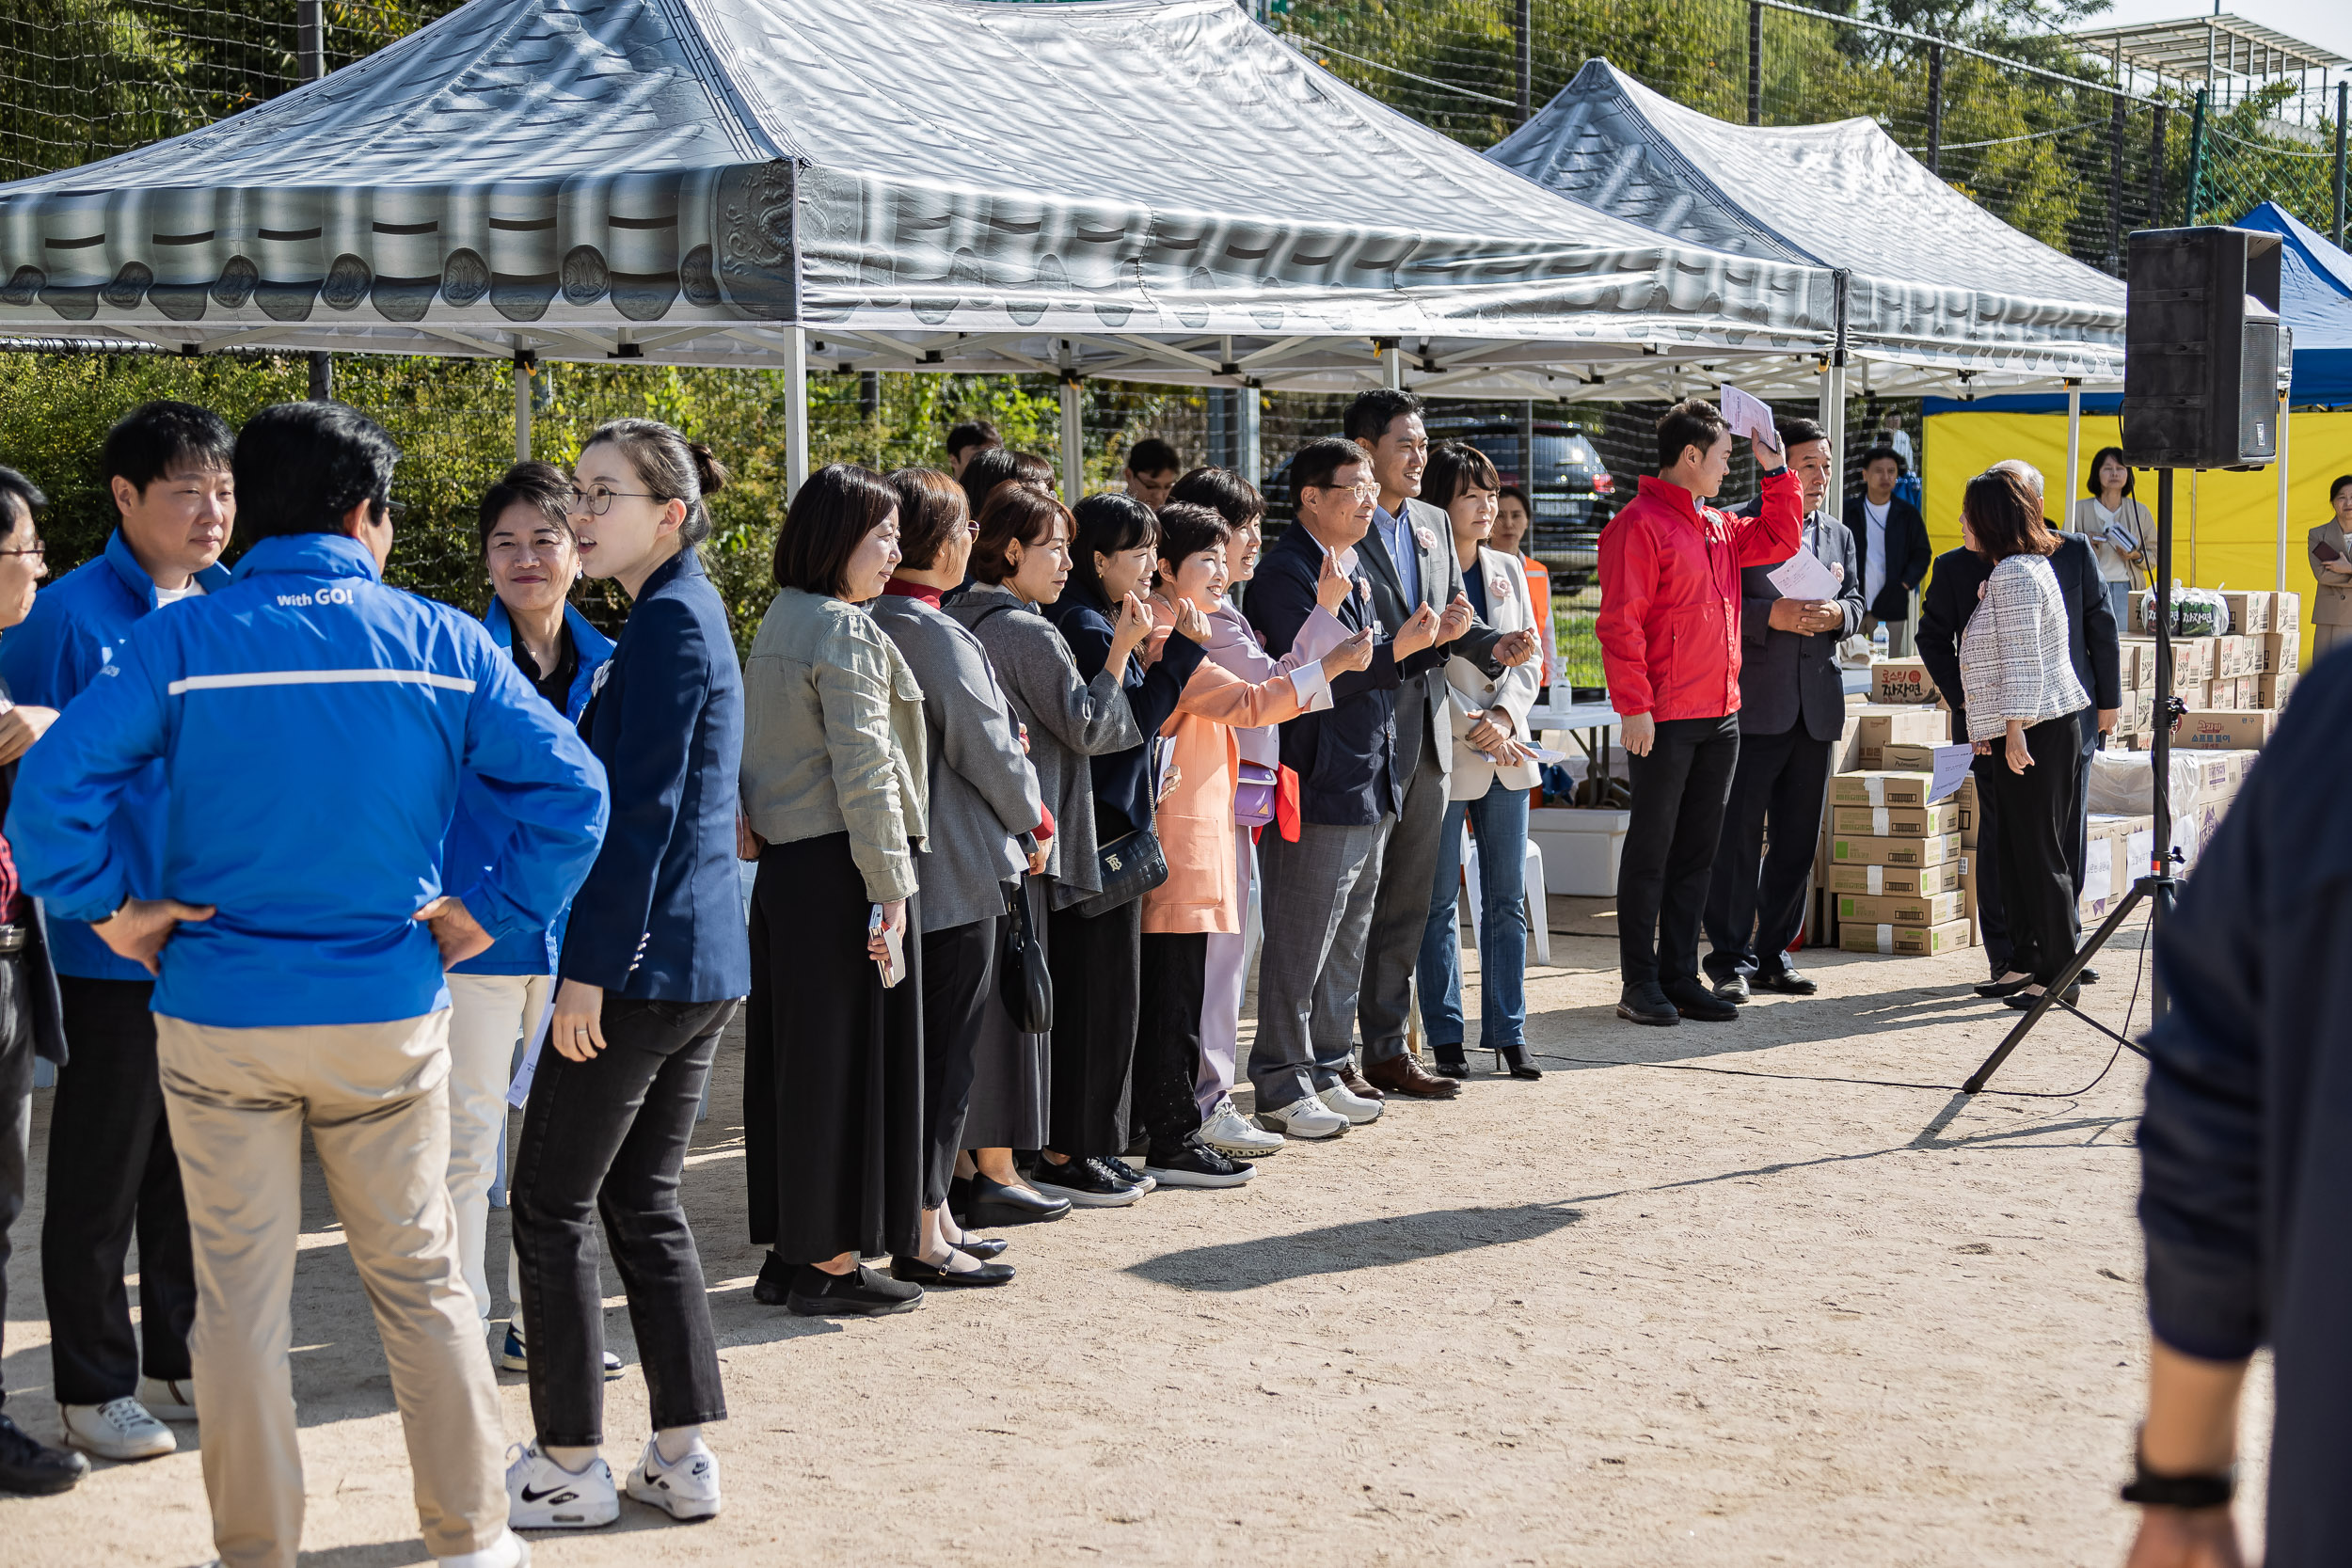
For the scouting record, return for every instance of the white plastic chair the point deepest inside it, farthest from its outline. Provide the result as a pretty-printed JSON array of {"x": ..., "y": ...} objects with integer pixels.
[{"x": 1538, "y": 922}]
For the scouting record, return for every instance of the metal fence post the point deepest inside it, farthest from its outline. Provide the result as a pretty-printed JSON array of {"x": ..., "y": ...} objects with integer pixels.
[
  {"x": 2343, "y": 101},
  {"x": 311, "y": 56},
  {"x": 2196, "y": 162},
  {"x": 1935, "y": 109},
  {"x": 2114, "y": 188},
  {"x": 1523, "y": 24},
  {"x": 1755, "y": 63},
  {"x": 2155, "y": 166}
]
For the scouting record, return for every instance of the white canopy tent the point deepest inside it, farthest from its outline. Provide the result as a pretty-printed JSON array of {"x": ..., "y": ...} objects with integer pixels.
[{"x": 1156, "y": 190}]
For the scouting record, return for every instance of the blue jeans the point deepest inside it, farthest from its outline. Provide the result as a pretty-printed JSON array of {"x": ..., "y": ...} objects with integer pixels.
[{"x": 1499, "y": 827}]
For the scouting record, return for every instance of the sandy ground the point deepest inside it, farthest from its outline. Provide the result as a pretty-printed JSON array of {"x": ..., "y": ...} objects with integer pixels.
[{"x": 1625, "y": 1315}]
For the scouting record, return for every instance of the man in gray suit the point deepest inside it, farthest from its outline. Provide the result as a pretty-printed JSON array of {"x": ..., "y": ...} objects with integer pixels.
[
  {"x": 1792, "y": 707},
  {"x": 1409, "y": 555}
]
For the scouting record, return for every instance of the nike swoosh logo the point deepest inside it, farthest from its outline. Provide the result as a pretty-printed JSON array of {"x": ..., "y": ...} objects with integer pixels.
[{"x": 561, "y": 1494}]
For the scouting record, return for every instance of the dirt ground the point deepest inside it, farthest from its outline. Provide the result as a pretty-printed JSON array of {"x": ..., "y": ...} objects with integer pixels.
[{"x": 1626, "y": 1315}]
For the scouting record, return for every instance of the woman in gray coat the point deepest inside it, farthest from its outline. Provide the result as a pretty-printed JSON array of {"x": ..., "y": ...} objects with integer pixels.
[{"x": 984, "y": 815}]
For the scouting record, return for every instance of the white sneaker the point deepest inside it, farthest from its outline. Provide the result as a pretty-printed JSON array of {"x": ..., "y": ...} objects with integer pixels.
[
  {"x": 1355, "y": 1108},
  {"x": 168, "y": 1399},
  {"x": 118, "y": 1428},
  {"x": 686, "y": 1490},
  {"x": 1227, "y": 1132},
  {"x": 542, "y": 1495},
  {"x": 1305, "y": 1117},
  {"x": 509, "y": 1551}
]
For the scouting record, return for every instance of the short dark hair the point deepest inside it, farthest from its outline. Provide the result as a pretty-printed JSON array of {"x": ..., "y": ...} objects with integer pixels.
[
  {"x": 1798, "y": 431},
  {"x": 1031, "y": 469},
  {"x": 2337, "y": 488},
  {"x": 1223, "y": 492},
  {"x": 987, "y": 470},
  {"x": 2005, "y": 517},
  {"x": 1016, "y": 513},
  {"x": 541, "y": 485},
  {"x": 1106, "y": 525},
  {"x": 837, "y": 507},
  {"x": 17, "y": 495},
  {"x": 1371, "y": 413},
  {"x": 1887, "y": 454},
  {"x": 970, "y": 433},
  {"x": 1692, "y": 422},
  {"x": 300, "y": 466},
  {"x": 1153, "y": 455},
  {"x": 932, "y": 512},
  {"x": 1188, "y": 528},
  {"x": 2099, "y": 460},
  {"x": 669, "y": 465},
  {"x": 156, "y": 438},
  {"x": 1452, "y": 464},
  {"x": 1319, "y": 459}
]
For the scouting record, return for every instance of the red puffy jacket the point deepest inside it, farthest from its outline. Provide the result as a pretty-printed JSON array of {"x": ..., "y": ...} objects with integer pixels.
[{"x": 1669, "y": 620}]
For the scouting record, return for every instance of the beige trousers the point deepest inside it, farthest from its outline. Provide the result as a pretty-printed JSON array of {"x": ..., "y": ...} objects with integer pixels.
[
  {"x": 2324, "y": 637},
  {"x": 375, "y": 1097}
]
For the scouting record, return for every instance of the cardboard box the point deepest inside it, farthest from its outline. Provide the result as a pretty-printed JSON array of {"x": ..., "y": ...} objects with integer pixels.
[
  {"x": 2135, "y": 663},
  {"x": 2098, "y": 892},
  {"x": 2248, "y": 612},
  {"x": 2229, "y": 655},
  {"x": 1888, "y": 788},
  {"x": 2282, "y": 651},
  {"x": 1966, "y": 801},
  {"x": 1908, "y": 881},
  {"x": 1901, "y": 680},
  {"x": 2230, "y": 730},
  {"x": 2271, "y": 691},
  {"x": 1895, "y": 821},
  {"x": 2286, "y": 613},
  {"x": 1916, "y": 941},
  {"x": 1876, "y": 850},
  {"x": 2216, "y": 773},
  {"x": 1881, "y": 724},
  {"x": 2199, "y": 656},
  {"x": 1936, "y": 908}
]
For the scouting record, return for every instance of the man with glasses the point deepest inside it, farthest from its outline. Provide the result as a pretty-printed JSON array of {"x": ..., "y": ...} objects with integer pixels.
[
  {"x": 310, "y": 727},
  {"x": 112, "y": 1172}
]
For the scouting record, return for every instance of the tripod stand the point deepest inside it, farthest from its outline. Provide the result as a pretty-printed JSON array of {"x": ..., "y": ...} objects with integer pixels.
[{"x": 2159, "y": 887}]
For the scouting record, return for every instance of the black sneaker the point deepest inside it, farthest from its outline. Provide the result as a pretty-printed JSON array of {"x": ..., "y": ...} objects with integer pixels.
[
  {"x": 1693, "y": 1000},
  {"x": 863, "y": 1292},
  {"x": 1087, "y": 1182},
  {"x": 1126, "y": 1172},
  {"x": 1645, "y": 1001},
  {"x": 34, "y": 1470},
  {"x": 1196, "y": 1165}
]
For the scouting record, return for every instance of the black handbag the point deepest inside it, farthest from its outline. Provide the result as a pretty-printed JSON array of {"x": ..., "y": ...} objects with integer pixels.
[
  {"x": 1131, "y": 866},
  {"x": 1025, "y": 982}
]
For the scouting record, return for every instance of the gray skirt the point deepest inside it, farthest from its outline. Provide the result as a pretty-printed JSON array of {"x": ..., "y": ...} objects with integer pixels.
[{"x": 1012, "y": 1072}]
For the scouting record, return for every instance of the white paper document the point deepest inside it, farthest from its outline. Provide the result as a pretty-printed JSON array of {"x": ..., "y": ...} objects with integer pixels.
[
  {"x": 1750, "y": 417},
  {"x": 1803, "y": 577}
]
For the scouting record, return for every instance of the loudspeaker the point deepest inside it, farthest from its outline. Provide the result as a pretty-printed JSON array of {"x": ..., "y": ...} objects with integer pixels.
[{"x": 2203, "y": 350}]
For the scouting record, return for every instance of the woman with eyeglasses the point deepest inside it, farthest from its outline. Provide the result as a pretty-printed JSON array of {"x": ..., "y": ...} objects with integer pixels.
[{"x": 653, "y": 962}]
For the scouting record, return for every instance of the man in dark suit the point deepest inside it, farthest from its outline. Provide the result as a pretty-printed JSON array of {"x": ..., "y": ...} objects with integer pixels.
[
  {"x": 1891, "y": 541},
  {"x": 1792, "y": 707},
  {"x": 1409, "y": 555}
]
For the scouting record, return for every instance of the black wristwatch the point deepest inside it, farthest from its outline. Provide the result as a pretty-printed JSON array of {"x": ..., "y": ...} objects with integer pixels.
[{"x": 2151, "y": 1490}]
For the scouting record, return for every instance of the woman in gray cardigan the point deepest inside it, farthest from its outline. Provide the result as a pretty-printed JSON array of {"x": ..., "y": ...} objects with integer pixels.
[{"x": 984, "y": 816}]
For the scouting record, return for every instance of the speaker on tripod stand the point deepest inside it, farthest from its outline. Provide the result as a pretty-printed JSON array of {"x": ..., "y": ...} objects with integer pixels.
[{"x": 2206, "y": 361}]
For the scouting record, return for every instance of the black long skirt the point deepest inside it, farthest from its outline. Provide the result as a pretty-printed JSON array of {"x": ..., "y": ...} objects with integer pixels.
[
  {"x": 834, "y": 1129},
  {"x": 1012, "y": 1073}
]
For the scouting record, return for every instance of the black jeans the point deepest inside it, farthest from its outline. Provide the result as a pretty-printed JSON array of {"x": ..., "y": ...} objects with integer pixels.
[
  {"x": 1755, "y": 895},
  {"x": 112, "y": 1171},
  {"x": 1096, "y": 963},
  {"x": 16, "y": 1112},
  {"x": 959, "y": 984},
  {"x": 2034, "y": 828},
  {"x": 607, "y": 1138},
  {"x": 1680, "y": 791},
  {"x": 1167, "y": 1042}
]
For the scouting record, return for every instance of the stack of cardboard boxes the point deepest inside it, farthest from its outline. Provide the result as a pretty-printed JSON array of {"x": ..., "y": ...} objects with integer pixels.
[
  {"x": 2233, "y": 686},
  {"x": 1897, "y": 870}
]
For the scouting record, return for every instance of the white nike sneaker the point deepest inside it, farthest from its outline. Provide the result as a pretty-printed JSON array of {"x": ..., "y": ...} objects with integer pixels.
[
  {"x": 542, "y": 1495},
  {"x": 1305, "y": 1117},
  {"x": 508, "y": 1551},
  {"x": 118, "y": 1428},
  {"x": 1227, "y": 1132},
  {"x": 686, "y": 1490},
  {"x": 168, "y": 1399},
  {"x": 1355, "y": 1108}
]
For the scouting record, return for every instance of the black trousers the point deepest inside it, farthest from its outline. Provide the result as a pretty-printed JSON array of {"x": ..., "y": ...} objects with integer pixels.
[
  {"x": 959, "y": 982},
  {"x": 1167, "y": 1042},
  {"x": 1756, "y": 896},
  {"x": 16, "y": 1114},
  {"x": 1680, "y": 791},
  {"x": 2080, "y": 846},
  {"x": 1992, "y": 920},
  {"x": 605, "y": 1139},
  {"x": 112, "y": 1172},
  {"x": 2034, "y": 827},
  {"x": 1097, "y": 967}
]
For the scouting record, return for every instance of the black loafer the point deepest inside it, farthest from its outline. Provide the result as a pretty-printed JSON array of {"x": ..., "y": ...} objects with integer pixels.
[
  {"x": 1696, "y": 1002},
  {"x": 992, "y": 1204},
  {"x": 862, "y": 1293},
  {"x": 1787, "y": 981},
  {"x": 981, "y": 1248},
  {"x": 913, "y": 1271},
  {"x": 1645, "y": 1003},
  {"x": 1993, "y": 991},
  {"x": 1451, "y": 1063},
  {"x": 2087, "y": 976},
  {"x": 1734, "y": 990}
]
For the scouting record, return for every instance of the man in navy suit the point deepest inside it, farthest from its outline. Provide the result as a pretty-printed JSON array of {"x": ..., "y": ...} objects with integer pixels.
[
  {"x": 1792, "y": 709},
  {"x": 1891, "y": 541}
]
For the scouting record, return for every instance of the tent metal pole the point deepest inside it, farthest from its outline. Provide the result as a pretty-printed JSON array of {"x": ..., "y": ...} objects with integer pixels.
[
  {"x": 795, "y": 409},
  {"x": 1252, "y": 430},
  {"x": 2282, "y": 465},
  {"x": 310, "y": 58},
  {"x": 525, "y": 366},
  {"x": 2073, "y": 447},
  {"x": 1392, "y": 362},
  {"x": 1074, "y": 440},
  {"x": 1834, "y": 394}
]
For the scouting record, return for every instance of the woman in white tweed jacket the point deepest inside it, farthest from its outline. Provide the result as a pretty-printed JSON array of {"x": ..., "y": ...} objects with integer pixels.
[{"x": 2022, "y": 694}]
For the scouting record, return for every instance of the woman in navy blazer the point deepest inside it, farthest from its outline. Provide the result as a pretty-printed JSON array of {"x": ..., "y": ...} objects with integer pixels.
[{"x": 654, "y": 960}]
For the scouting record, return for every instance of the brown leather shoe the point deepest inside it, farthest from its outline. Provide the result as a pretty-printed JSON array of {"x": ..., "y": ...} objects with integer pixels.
[
  {"x": 1404, "y": 1075},
  {"x": 1357, "y": 1084}
]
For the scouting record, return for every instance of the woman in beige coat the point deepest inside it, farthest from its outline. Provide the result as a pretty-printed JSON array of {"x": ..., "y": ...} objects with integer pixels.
[{"x": 2331, "y": 566}]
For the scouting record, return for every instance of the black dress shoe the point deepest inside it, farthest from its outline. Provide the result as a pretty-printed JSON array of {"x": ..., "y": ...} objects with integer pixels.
[
  {"x": 2087, "y": 976},
  {"x": 862, "y": 1293},
  {"x": 981, "y": 1248},
  {"x": 1451, "y": 1062},
  {"x": 1693, "y": 1000},
  {"x": 32, "y": 1468},
  {"x": 1993, "y": 991},
  {"x": 1734, "y": 990},
  {"x": 915, "y": 1271},
  {"x": 992, "y": 1204},
  {"x": 1786, "y": 980},
  {"x": 1645, "y": 1001},
  {"x": 2024, "y": 999},
  {"x": 1514, "y": 1058}
]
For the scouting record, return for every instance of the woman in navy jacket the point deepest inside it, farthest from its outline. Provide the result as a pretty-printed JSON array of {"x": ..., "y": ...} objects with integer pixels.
[{"x": 654, "y": 960}]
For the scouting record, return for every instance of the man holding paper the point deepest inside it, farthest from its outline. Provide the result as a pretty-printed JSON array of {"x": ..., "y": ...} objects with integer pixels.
[
  {"x": 1792, "y": 707},
  {"x": 1669, "y": 630}
]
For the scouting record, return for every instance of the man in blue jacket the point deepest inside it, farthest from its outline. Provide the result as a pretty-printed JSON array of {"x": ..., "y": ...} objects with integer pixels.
[
  {"x": 312, "y": 727},
  {"x": 111, "y": 1166}
]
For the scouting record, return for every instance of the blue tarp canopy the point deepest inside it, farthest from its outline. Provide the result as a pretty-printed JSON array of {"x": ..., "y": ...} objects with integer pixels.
[{"x": 2315, "y": 301}]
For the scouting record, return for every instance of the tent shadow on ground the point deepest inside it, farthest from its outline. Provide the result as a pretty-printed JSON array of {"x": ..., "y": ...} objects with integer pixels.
[{"x": 1374, "y": 1244}]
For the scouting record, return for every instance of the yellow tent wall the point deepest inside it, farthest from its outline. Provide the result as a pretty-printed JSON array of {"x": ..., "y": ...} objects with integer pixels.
[{"x": 2225, "y": 526}]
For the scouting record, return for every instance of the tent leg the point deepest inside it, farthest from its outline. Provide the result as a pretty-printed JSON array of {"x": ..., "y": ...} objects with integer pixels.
[
  {"x": 526, "y": 365},
  {"x": 1833, "y": 423},
  {"x": 1392, "y": 362},
  {"x": 2281, "y": 467},
  {"x": 1252, "y": 432},
  {"x": 796, "y": 410},
  {"x": 2065, "y": 491},
  {"x": 1073, "y": 441}
]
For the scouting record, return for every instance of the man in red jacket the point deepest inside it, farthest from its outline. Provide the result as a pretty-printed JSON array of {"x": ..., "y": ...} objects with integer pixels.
[{"x": 1670, "y": 646}]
